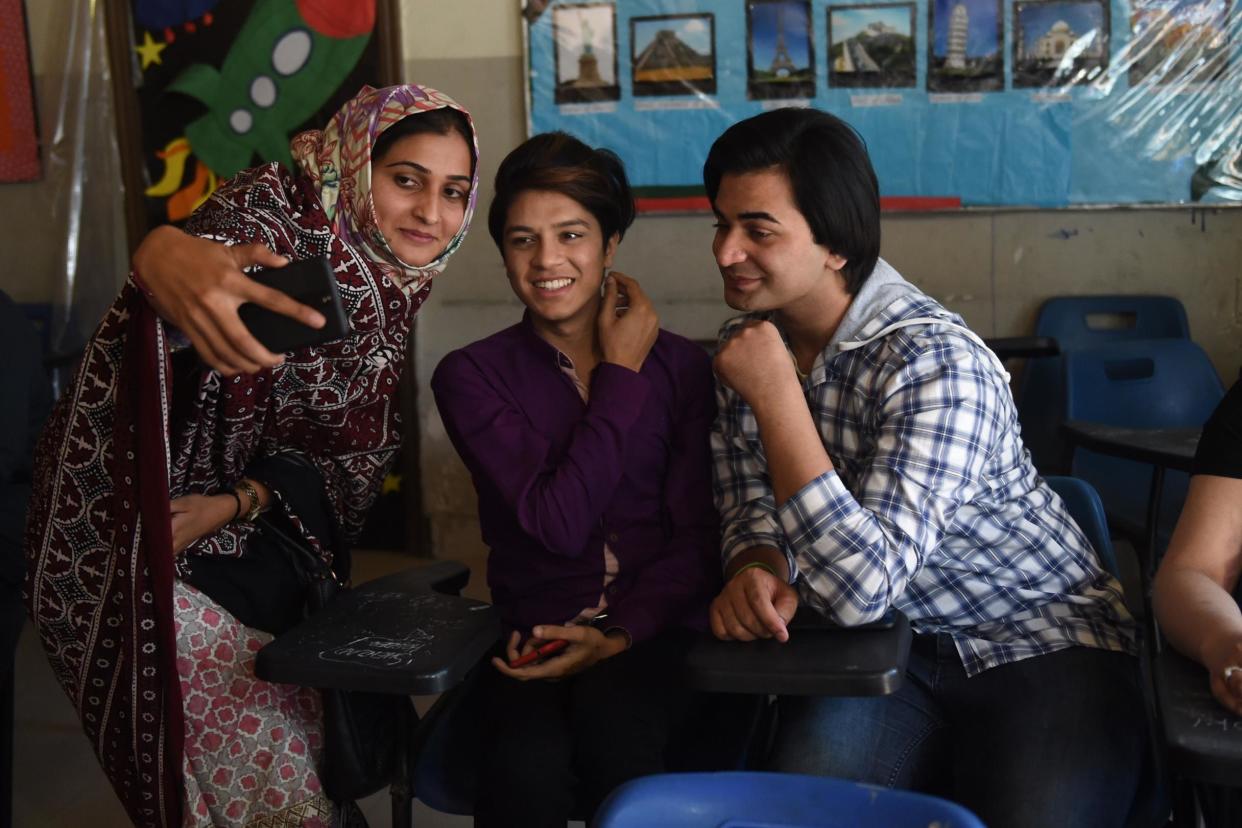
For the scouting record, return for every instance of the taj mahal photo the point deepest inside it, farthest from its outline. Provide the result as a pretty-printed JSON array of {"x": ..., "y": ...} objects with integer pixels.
[{"x": 1059, "y": 43}]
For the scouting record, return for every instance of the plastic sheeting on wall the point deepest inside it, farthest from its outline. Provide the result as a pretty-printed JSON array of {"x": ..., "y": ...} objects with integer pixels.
[
  {"x": 83, "y": 172},
  {"x": 975, "y": 102},
  {"x": 1174, "y": 94}
]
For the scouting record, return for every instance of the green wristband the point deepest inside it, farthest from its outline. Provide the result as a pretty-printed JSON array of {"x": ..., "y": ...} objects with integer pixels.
[{"x": 757, "y": 565}]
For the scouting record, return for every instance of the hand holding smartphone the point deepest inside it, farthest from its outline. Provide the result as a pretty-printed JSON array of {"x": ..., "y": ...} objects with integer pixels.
[{"x": 309, "y": 281}]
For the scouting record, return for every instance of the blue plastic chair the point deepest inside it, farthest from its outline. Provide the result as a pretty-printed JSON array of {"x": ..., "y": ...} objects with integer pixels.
[
  {"x": 741, "y": 799},
  {"x": 1077, "y": 323},
  {"x": 1167, "y": 383},
  {"x": 1083, "y": 503}
]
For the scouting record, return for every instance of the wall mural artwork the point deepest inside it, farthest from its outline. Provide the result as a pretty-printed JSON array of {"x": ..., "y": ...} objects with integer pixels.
[
  {"x": 962, "y": 103},
  {"x": 226, "y": 83}
]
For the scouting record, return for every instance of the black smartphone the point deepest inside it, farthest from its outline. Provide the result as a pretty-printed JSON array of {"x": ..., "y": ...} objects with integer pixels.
[{"x": 309, "y": 281}]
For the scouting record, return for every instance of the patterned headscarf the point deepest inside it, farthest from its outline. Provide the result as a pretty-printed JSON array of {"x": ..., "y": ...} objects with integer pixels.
[{"x": 338, "y": 162}]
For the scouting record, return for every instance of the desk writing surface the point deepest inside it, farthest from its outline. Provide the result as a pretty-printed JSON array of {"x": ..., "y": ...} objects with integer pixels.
[
  {"x": 1173, "y": 448},
  {"x": 1204, "y": 739},
  {"x": 1022, "y": 347},
  {"x": 817, "y": 660},
  {"x": 390, "y": 635}
]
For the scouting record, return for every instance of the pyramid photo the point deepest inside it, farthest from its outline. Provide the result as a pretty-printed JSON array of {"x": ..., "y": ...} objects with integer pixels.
[{"x": 664, "y": 63}]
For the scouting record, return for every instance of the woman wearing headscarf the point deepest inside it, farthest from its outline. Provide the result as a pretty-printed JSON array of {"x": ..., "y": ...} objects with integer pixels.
[{"x": 147, "y": 579}]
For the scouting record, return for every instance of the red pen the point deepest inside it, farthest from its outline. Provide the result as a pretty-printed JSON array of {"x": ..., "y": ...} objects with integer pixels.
[{"x": 542, "y": 651}]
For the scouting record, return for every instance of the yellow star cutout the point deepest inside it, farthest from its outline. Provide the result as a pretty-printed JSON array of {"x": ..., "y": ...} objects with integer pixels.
[{"x": 149, "y": 51}]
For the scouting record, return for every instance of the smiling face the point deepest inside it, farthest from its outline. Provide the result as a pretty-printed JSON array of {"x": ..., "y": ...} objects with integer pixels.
[
  {"x": 765, "y": 249},
  {"x": 420, "y": 187},
  {"x": 555, "y": 255}
]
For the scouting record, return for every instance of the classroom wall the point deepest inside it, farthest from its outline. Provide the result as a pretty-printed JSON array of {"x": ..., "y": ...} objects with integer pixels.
[{"x": 995, "y": 268}]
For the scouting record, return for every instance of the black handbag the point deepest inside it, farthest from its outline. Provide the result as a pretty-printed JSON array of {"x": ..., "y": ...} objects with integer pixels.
[
  {"x": 278, "y": 582},
  {"x": 362, "y": 732}
]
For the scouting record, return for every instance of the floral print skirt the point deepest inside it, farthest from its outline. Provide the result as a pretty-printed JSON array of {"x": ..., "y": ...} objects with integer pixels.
[{"x": 251, "y": 747}]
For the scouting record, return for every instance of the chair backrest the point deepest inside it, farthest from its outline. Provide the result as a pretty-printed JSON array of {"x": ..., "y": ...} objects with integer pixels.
[
  {"x": 1162, "y": 383},
  {"x": 764, "y": 800},
  {"x": 1155, "y": 383},
  {"x": 1085, "y": 507},
  {"x": 1078, "y": 322}
]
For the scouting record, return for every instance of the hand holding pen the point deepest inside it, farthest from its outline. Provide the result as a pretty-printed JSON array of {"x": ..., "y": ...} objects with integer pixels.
[{"x": 579, "y": 646}]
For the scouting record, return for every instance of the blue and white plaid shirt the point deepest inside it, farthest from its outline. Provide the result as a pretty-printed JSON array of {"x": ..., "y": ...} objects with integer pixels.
[{"x": 933, "y": 506}]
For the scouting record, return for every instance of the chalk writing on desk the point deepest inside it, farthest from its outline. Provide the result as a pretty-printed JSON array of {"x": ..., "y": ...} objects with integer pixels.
[
  {"x": 379, "y": 652},
  {"x": 370, "y": 599},
  {"x": 1222, "y": 723}
]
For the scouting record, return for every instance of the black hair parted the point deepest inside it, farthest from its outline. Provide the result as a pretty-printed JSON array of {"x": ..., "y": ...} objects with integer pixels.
[
  {"x": 442, "y": 121},
  {"x": 560, "y": 163},
  {"x": 826, "y": 162}
]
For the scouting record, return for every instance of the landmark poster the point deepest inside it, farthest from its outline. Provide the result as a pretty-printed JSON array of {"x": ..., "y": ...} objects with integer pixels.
[
  {"x": 586, "y": 52},
  {"x": 961, "y": 103},
  {"x": 965, "y": 39},
  {"x": 1181, "y": 40},
  {"x": 872, "y": 46},
  {"x": 780, "y": 55},
  {"x": 1058, "y": 40},
  {"x": 673, "y": 54}
]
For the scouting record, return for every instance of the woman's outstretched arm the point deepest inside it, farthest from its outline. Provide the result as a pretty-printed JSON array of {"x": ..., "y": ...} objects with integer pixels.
[{"x": 197, "y": 285}]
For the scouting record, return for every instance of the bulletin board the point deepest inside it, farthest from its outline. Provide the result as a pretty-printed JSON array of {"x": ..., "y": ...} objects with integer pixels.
[{"x": 1045, "y": 103}]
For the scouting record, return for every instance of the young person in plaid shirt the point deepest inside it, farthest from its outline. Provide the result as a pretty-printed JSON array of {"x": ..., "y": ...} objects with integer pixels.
[{"x": 867, "y": 456}]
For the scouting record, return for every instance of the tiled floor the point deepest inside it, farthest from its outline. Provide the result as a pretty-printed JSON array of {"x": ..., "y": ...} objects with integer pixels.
[{"x": 58, "y": 784}]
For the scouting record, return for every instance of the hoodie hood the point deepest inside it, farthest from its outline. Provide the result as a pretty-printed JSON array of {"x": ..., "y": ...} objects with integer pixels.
[
  {"x": 887, "y": 303},
  {"x": 872, "y": 304}
]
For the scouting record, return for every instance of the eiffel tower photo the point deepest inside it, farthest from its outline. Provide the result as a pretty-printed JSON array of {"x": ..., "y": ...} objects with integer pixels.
[
  {"x": 780, "y": 52},
  {"x": 782, "y": 63}
]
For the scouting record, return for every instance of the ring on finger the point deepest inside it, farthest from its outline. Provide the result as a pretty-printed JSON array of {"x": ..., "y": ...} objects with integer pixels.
[{"x": 1231, "y": 669}]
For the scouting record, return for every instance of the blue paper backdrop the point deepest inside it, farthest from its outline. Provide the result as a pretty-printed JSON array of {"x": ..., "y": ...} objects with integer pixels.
[{"x": 1008, "y": 148}]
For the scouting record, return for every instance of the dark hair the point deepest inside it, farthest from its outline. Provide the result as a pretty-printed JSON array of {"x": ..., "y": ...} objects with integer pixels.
[
  {"x": 826, "y": 162},
  {"x": 559, "y": 163},
  {"x": 440, "y": 121}
]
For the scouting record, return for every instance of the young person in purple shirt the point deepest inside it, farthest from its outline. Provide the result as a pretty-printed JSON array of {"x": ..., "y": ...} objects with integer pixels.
[{"x": 585, "y": 428}]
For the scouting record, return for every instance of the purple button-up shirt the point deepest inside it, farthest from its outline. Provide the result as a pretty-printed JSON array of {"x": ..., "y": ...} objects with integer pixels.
[{"x": 559, "y": 478}]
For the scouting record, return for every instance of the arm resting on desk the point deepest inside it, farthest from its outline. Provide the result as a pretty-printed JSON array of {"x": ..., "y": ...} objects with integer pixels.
[{"x": 1192, "y": 591}]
